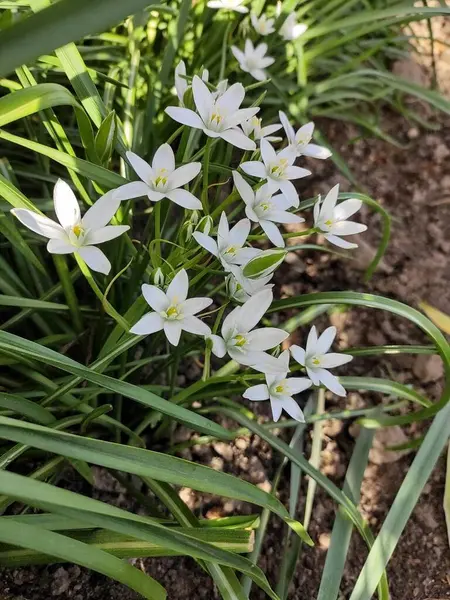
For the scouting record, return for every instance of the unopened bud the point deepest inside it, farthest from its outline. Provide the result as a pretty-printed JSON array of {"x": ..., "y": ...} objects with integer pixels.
[
  {"x": 264, "y": 264},
  {"x": 205, "y": 225},
  {"x": 158, "y": 277}
]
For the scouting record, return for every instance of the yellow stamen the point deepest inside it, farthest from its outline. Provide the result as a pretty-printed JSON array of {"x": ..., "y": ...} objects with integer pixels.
[
  {"x": 172, "y": 312},
  {"x": 279, "y": 389},
  {"x": 77, "y": 229},
  {"x": 240, "y": 341}
]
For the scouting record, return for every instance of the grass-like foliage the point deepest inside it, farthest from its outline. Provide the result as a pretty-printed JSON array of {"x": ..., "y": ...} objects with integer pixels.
[{"x": 146, "y": 173}]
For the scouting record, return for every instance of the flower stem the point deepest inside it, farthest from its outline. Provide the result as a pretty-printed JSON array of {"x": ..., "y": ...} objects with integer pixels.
[
  {"x": 69, "y": 292},
  {"x": 206, "y": 157},
  {"x": 157, "y": 212},
  {"x": 109, "y": 309}
]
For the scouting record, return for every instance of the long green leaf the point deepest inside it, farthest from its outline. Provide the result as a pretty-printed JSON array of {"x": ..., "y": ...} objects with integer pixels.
[
  {"x": 61, "y": 23},
  {"x": 71, "y": 550}
]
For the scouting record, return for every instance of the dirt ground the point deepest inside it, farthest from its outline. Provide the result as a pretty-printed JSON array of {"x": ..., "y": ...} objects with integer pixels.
[{"x": 413, "y": 183}]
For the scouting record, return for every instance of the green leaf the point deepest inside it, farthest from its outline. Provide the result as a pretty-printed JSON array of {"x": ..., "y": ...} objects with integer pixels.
[
  {"x": 59, "y": 24},
  {"x": 404, "y": 503},
  {"x": 13, "y": 196},
  {"x": 71, "y": 550},
  {"x": 106, "y": 138},
  {"x": 13, "y": 235},
  {"x": 27, "y": 408},
  {"x": 10, "y": 342},
  {"x": 30, "y": 100}
]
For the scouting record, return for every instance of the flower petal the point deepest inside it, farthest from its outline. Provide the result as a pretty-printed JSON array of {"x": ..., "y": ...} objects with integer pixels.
[
  {"x": 56, "y": 246},
  {"x": 39, "y": 224},
  {"x": 236, "y": 137},
  {"x": 206, "y": 242},
  {"x": 265, "y": 339},
  {"x": 334, "y": 359},
  {"x": 135, "y": 189},
  {"x": 292, "y": 408},
  {"x": 290, "y": 133},
  {"x": 173, "y": 330},
  {"x": 347, "y": 228},
  {"x": 298, "y": 354},
  {"x": 331, "y": 382},
  {"x": 296, "y": 172},
  {"x": 312, "y": 374},
  {"x": 95, "y": 259},
  {"x": 311, "y": 341},
  {"x": 238, "y": 54},
  {"x": 104, "y": 234},
  {"x": 298, "y": 384},
  {"x": 149, "y": 323},
  {"x": 244, "y": 189},
  {"x": 140, "y": 167},
  {"x": 183, "y": 175},
  {"x": 102, "y": 211},
  {"x": 155, "y": 297},
  {"x": 203, "y": 98},
  {"x": 257, "y": 392},
  {"x": 325, "y": 340},
  {"x": 185, "y": 199},
  {"x": 195, "y": 326},
  {"x": 218, "y": 346},
  {"x": 337, "y": 241},
  {"x": 273, "y": 233},
  {"x": 276, "y": 404},
  {"x": 66, "y": 204},
  {"x": 329, "y": 203},
  {"x": 186, "y": 116},
  {"x": 288, "y": 189},
  {"x": 192, "y": 306},
  {"x": 315, "y": 151},
  {"x": 282, "y": 216},
  {"x": 253, "y": 310},
  {"x": 178, "y": 288},
  {"x": 240, "y": 116},
  {"x": 163, "y": 158},
  {"x": 268, "y": 153},
  {"x": 239, "y": 233},
  {"x": 346, "y": 209},
  {"x": 231, "y": 100},
  {"x": 243, "y": 255},
  {"x": 258, "y": 74},
  {"x": 254, "y": 168}
]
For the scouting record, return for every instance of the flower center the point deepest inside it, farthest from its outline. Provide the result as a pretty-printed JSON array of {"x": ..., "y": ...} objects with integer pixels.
[
  {"x": 277, "y": 170},
  {"x": 239, "y": 340},
  {"x": 172, "y": 313},
  {"x": 315, "y": 361},
  {"x": 78, "y": 230},
  {"x": 161, "y": 179},
  {"x": 280, "y": 387},
  {"x": 231, "y": 250},
  {"x": 216, "y": 120}
]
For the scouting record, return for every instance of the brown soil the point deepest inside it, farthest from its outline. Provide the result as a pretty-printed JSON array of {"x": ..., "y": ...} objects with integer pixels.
[{"x": 414, "y": 185}]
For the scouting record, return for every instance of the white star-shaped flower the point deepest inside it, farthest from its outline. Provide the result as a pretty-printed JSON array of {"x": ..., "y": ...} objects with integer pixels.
[
  {"x": 73, "y": 233},
  {"x": 253, "y": 127},
  {"x": 262, "y": 24},
  {"x": 229, "y": 247},
  {"x": 245, "y": 344},
  {"x": 331, "y": 218},
  {"x": 316, "y": 359},
  {"x": 278, "y": 169},
  {"x": 253, "y": 60},
  {"x": 279, "y": 390},
  {"x": 173, "y": 312},
  {"x": 291, "y": 30},
  {"x": 264, "y": 208},
  {"x": 300, "y": 141},
  {"x": 161, "y": 179},
  {"x": 218, "y": 115},
  {"x": 235, "y": 5}
]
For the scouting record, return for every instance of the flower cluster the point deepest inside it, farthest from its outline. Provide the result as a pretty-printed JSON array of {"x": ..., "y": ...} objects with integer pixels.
[{"x": 264, "y": 191}]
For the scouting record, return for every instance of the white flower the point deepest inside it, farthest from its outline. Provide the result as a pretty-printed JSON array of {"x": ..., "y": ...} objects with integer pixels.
[
  {"x": 253, "y": 60},
  {"x": 278, "y": 169},
  {"x": 229, "y": 245},
  {"x": 262, "y": 24},
  {"x": 253, "y": 126},
  {"x": 280, "y": 390},
  {"x": 264, "y": 208},
  {"x": 300, "y": 141},
  {"x": 161, "y": 179},
  {"x": 173, "y": 312},
  {"x": 245, "y": 346},
  {"x": 241, "y": 288},
  {"x": 181, "y": 84},
  {"x": 317, "y": 360},
  {"x": 218, "y": 115},
  {"x": 331, "y": 219},
  {"x": 74, "y": 233},
  {"x": 235, "y": 5},
  {"x": 291, "y": 30}
]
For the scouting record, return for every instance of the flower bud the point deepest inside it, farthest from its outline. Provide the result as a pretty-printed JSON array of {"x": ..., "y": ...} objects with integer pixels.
[
  {"x": 205, "y": 225},
  {"x": 235, "y": 290},
  {"x": 158, "y": 277},
  {"x": 264, "y": 264}
]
